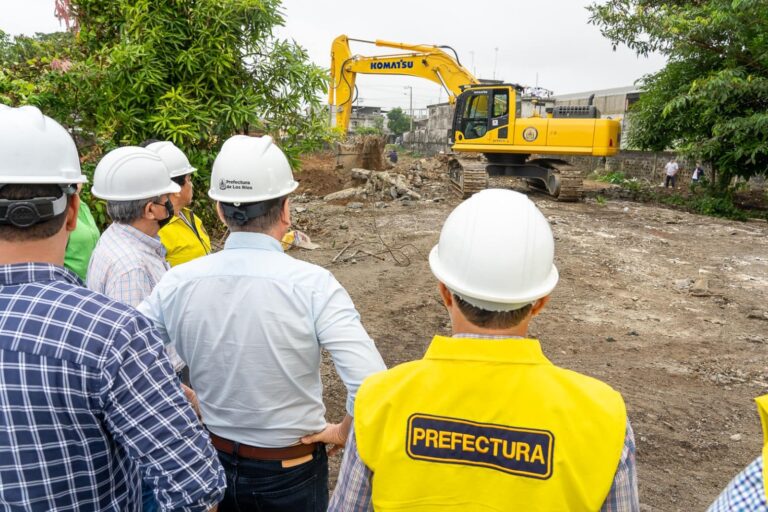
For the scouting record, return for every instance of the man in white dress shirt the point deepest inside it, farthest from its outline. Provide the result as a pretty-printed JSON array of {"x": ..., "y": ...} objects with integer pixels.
[{"x": 250, "y": 322}]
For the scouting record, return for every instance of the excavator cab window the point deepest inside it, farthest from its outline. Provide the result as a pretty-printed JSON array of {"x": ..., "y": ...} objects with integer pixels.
[
  {"x": 500, "y": 103},
  {"x": 500, "y": 118},
  {"x": 474, "y": 122}
]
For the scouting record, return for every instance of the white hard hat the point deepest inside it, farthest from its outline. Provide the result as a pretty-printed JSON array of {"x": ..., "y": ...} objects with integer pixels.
[
  {"x": 36, "y": 149},
  {"x": 496, "y": 251},
  {"x": 129, "y": 173},
  {"x": 174, "y": 158},
  {"x": 249, "y": 170}
]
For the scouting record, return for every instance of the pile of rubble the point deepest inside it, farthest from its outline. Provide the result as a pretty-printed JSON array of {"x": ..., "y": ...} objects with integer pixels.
[{"x": 382, "y": 185}]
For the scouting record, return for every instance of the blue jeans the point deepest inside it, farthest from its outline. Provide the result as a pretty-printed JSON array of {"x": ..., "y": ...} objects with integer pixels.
[{"x": 265, "y": 486}]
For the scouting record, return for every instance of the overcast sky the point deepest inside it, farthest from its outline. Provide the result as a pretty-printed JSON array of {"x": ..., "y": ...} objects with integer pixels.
[{"x": 548, "y": 41}]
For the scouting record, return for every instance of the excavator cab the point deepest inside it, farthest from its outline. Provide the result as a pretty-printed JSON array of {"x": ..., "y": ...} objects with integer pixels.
[{"x": 482, "y": 112}]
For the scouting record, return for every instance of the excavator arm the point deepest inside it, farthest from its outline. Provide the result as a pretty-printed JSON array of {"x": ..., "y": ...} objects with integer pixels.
[{"x": 424, "y": 61}]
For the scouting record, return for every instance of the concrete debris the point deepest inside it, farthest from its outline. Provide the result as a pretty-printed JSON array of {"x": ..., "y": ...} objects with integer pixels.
[
  {"x": 683, "y": 284},
  {"x": 700, "y": 288},
  {"x": 347, "y": 193},
  {"x": 355, "y": 206},
  {"x": 736, "y": 437},
  {"x": 383, "y": 184}
]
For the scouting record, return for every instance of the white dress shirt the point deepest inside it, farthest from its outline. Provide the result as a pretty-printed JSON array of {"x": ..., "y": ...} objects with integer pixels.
[{"x": 249, "y": 322}]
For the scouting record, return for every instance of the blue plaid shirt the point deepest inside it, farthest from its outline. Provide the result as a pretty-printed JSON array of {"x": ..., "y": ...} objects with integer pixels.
[
  {"x": 745, "y": 493},
  {"x": 89, "y": 402}
]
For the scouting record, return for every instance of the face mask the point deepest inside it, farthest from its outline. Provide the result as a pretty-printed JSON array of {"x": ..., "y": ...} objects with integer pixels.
[{"x": 169, "y": 207}]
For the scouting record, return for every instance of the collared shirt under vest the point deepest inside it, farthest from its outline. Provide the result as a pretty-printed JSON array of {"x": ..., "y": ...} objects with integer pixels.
[{"x": 488, "y": 424}]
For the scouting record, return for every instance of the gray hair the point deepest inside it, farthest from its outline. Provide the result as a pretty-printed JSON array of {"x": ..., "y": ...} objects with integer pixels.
[{"x": 125, "y": 212}]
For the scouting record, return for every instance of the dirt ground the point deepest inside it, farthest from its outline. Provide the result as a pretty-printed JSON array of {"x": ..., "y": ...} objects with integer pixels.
[{"x": 667, "y": 307}]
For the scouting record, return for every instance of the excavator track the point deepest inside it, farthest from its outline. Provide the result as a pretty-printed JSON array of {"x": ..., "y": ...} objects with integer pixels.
[
  {"x": 565, "y": 182},
  {"x": 571, "y": 184},
  {"x": 467, "y": 176},
  {"x": 554, "y": 177}
]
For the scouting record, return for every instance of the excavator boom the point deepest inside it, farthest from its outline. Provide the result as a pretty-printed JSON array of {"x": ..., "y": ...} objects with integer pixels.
[{"x": 423, "y": 61}]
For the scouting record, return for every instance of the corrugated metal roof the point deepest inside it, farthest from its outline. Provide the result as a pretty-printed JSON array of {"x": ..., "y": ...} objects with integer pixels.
[{"x": 600, "y": 92}]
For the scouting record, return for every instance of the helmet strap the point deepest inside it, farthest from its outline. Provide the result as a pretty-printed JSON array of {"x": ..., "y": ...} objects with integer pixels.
[
  {"x": 242, "y": 213},
  {"x": 23, "y": 213}
]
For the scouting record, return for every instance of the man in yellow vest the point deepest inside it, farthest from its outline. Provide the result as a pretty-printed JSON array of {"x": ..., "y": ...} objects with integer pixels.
[
  {"x": 184, "y": 237},
  {"x": 485, "y": 421},
  {"x": 747, "y": 491}
]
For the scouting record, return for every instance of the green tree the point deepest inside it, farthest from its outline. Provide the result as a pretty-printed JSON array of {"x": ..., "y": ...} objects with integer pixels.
[
  {"x": 711, "y": 100},
  {"x": 191, "y": 71},
  {"x": 196, "y": 71},
  {"x": 397, "y": 121},
  {"x": 38, "y": 71}
]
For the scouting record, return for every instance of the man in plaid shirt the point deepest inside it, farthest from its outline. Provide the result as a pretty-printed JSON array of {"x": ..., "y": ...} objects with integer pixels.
[{"x": 89, "y": 404}]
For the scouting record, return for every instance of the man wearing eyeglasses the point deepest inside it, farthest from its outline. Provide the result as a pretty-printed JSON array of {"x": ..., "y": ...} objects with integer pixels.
[
  {"x": 129, "y": 259},
  {"x": 184, "y": 237}
]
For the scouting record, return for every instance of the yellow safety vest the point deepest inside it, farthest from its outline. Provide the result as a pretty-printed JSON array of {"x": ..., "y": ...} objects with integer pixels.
[
  {"x": 488, "y": 424},
  {"x": 181, "y": 242},
  {"x": 762, "y": 409}
]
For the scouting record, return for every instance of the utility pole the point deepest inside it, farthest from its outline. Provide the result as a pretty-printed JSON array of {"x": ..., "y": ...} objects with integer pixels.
[
  {"x": 474, "y": 71},
  {"x": 495, "y": 60},
  {"x": 410, "y": 88}
]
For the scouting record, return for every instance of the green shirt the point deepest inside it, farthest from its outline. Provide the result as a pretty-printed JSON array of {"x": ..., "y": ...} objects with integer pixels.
[{"x": 81, "y": 242}]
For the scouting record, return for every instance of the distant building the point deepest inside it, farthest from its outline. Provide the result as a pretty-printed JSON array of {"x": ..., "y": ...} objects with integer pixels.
[
  {"x": 367, "y": 117},
  {"x": 612, "y": 103}
]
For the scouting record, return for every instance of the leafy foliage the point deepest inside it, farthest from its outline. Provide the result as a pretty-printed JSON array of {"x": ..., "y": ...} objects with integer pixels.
[
  {"x": 614, "y": 177},
  {"x": 191, "y": 71},
  {"x": 705, "y": 203},
  {"x": 711, "y": 100},
  {"x": 367, "y": 130},
  {"x": 196, "y": 71},
  {"x": 398, "y": 121}
]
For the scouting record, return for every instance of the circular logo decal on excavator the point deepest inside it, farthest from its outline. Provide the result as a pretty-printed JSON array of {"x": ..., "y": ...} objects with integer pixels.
[{"x": 530, "y": 134}]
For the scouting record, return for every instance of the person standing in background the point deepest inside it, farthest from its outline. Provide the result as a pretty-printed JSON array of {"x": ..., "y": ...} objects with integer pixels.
[
  {"x": 698, "y": 173},
  {"x": 184, "y": 237},
  {"x": 671, "y": 170},
  {"x": 82, "y": 241}
]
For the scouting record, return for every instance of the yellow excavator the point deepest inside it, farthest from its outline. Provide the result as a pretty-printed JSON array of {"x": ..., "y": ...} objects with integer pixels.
[{"x": 487, "y": 119}]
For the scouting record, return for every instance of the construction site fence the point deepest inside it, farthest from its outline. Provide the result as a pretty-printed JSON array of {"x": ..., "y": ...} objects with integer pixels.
[{"x": 424, "y": 148}]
